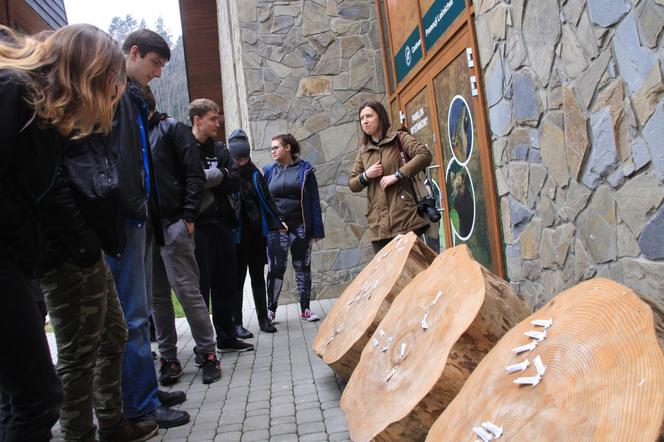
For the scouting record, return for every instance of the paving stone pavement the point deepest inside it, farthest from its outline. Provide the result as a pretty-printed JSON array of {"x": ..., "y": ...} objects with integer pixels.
[{"x": 280, "y": 392}]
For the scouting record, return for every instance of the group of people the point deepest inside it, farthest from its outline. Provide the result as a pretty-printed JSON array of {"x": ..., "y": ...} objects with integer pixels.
[{"x": 108, "y": 205}]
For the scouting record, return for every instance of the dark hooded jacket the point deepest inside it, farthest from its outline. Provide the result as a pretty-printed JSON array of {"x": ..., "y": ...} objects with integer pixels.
[
  {"x": 177, "y": 164},
  {"x": 41, "y": 224},
  {"x": 130, "y": 141}
]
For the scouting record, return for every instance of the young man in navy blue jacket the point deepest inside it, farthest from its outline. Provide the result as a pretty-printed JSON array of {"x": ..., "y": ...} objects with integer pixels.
[{"x": 146, "y": 53}]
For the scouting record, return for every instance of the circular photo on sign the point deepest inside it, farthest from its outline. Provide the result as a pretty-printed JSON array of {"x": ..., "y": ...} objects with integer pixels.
[
  {"x": 460, "y": 199},
  {"x": 460, "y": 129}
]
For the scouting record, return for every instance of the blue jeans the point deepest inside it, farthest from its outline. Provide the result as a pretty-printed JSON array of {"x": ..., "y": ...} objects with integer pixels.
[{"x": 131, "y": 273}]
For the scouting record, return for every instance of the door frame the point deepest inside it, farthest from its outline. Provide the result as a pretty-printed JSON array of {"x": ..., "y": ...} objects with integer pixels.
[{"x": 460, "y": 36}]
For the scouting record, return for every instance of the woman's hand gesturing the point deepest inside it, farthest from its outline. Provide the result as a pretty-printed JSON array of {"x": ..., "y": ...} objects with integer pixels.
[{"x": 374, "y": 171}]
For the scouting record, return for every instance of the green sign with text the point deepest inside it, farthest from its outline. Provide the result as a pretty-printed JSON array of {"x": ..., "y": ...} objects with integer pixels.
[
  {"x": 409, "y": 54},
  {"x": 439, "y": 17}
]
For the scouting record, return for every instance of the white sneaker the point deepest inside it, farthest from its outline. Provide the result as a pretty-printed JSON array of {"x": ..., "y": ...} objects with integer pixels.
[{"x": 310, "y": 316}]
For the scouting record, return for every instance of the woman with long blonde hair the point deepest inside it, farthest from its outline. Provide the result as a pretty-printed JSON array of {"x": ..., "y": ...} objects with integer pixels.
[{"x": 56, "y": 88}]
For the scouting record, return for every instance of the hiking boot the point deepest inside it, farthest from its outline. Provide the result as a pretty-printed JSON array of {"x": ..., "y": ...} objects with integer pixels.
[
  {"x": 125, "y": 431},
  {"x": 171, "y": 398},
  {"x": 211, "y": 367},
  {"x": 266, "y": 326},
  {"x": 308, "y": 315},
  {"x": 243, "y": 333},
  {"x": 170, "y": 371},
  {"x": 229, "y": 345},
  {"x": 165, "y": 417}
]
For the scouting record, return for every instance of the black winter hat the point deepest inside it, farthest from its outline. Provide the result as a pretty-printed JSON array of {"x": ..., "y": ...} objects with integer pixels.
[{"x": 238, "y": 144}]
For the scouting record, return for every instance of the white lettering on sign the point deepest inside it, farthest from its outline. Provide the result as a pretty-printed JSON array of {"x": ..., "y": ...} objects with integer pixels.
[
  {"x": 438, "y": 18},
  {"x": 416, "y": 46},
  {"x": 424, "y": 122},
  {"x": 417, "y": 115}
]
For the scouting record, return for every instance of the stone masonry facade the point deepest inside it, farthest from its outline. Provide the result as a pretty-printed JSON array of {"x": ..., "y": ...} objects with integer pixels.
[
  {"x": 576, "y": 109},
  {"x": 306, "y": 66},
  {"x": 574, "y": 95}
]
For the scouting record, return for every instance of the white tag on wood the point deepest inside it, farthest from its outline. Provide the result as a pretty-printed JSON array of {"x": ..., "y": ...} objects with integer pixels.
[
  {"x": 526, "y": 347},
  {"x": 521, "y": 366},
  {"x": 527, "y": 380},
  {"x": 493, "y": 429},
  {"x": 539, "y": 366},
  {"x": 546, "y": 323}
]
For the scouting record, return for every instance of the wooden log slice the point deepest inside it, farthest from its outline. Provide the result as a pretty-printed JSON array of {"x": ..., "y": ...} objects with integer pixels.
[
  {"x": 354, "y": 317},
  {"x": 434, "y": 335},
  {"x": 604, "y": 376}
]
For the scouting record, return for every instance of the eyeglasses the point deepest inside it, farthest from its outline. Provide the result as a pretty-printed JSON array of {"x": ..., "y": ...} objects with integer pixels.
[{"x": 275, "y": 148}]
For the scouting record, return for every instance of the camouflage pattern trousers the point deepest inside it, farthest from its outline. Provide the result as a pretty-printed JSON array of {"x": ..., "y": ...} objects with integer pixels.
[{"x": 91, "y": 333}]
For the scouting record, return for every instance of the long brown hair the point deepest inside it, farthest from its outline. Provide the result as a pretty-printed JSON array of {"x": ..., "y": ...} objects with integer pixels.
[
  {"x": 382, "y": 117},
  {"x": 68, "y": 76}
]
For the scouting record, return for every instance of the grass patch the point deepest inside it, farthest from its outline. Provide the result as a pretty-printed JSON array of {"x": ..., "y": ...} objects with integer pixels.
[{"x": 179, "y": 311}]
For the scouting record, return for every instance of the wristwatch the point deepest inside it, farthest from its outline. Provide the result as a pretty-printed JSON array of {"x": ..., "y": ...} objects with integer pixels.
[{"x": 399, "y": 175}]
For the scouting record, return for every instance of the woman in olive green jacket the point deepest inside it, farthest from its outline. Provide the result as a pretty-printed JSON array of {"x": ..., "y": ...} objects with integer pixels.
[{"x": 379, "y": 168}]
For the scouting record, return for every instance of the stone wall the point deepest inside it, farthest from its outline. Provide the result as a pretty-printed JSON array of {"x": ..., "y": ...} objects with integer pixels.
[
  {"x": 304, "y": 67},
  {"x": 576, "y": 109}
]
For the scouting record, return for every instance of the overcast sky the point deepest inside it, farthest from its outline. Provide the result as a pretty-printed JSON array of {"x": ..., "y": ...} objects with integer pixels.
[{"x": 100, "y": 13}]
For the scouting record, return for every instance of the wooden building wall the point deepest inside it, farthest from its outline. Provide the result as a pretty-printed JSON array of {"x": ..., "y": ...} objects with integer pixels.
[
  {"x": 32, "y": 16},
  {"x": 201, "y": 48}
]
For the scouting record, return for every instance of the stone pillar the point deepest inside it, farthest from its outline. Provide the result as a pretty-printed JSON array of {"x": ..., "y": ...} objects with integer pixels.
[
  {"x": 304, "y": 67},
  {"x": 233, "y": 87}
]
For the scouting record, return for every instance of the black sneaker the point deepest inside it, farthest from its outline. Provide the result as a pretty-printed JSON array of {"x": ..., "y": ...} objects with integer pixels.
[
  {"x": 229, "y": 345},
  {"x": 170, "y": 371},
  {"x": 165, "y": 417},
  {"x": 130, "y": 431},
  {"x": 266, "y": 326},
  {"x": 243, "y": 333},
  {"x": 211, "y": 367},
  {"x": 171, "y": 398}
]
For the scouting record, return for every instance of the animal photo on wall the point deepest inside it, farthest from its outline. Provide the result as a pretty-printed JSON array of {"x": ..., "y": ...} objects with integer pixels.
[
  {"x": 461, "y": 199},
  {"x": 460, "y": 129}
]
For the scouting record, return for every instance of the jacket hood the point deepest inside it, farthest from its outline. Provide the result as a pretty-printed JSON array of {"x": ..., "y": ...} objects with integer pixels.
[{"x": 156, "y": 118}]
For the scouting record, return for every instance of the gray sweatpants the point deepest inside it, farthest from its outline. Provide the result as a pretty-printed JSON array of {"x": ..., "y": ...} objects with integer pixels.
[{"x": 175, "y": 266}]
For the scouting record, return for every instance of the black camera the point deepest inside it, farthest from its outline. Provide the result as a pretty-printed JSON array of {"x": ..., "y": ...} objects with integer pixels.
[{"x": 426, "y": 207}]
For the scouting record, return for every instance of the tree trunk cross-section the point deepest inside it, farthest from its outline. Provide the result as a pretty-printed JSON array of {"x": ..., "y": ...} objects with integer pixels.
[
  {"x": 603, "y": 378},
  {"x": 363, "y": 304},
  {"x": 434, "y": 335}
]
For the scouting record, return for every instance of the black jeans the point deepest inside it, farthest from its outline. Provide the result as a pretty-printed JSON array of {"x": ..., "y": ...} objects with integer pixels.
[
  {"x": 31, "y": 391},
  {"x": 215, "y": 254},
  {"x": 252, "y": 253}
]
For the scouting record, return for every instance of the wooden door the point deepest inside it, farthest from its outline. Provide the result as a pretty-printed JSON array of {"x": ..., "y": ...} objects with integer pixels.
[
  {"x": 444, "y": 109},
  {"x": 466, "y": 156}
]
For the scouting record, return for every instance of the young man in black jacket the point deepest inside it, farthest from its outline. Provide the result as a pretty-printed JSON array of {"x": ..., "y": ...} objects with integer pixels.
[
  {"x": 146, "y": 53},
  {"x": 177, "y": 164},
  {"x": 215, "y": 243}
]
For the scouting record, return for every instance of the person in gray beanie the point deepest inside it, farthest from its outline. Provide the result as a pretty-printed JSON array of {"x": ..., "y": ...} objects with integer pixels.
[
  {"x": 238, "y": 144},
  {"x": 258, "y": 215}
]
